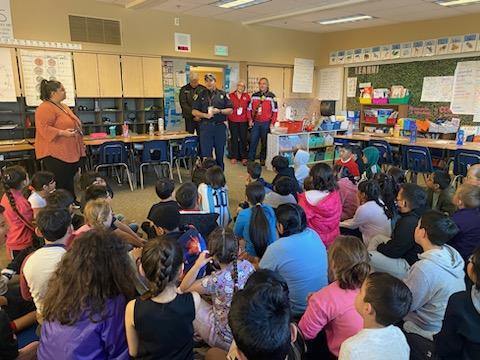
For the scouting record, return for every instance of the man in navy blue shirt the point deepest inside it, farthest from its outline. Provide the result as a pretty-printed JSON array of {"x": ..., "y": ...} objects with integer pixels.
[{"x": 212, "y": 106}]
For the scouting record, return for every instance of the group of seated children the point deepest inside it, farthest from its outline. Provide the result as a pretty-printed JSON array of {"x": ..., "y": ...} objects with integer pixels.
[{"x": 345, "y": 262}]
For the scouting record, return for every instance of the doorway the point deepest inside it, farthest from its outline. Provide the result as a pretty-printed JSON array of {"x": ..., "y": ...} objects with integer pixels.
[{"x": 202, "y": 70}]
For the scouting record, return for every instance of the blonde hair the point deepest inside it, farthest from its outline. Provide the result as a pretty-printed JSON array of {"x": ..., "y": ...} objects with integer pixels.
[
  {"x": 469, "y": 195},
  {"x": 96, "y": 212},
  {"x": 351, "y": 262}
]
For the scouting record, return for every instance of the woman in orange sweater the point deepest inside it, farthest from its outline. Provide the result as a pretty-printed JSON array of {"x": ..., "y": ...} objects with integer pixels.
[{"x": 59, "y": 137}]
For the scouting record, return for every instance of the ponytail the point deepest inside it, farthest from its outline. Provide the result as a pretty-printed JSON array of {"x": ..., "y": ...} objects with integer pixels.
[
  {"x": 223, "y": 244},
  {"x": 12, "y": 179},
  {"x": 372, "y": 192},
  {"x": 47, "y": 87},
  {"x": 259, "y": 230}
]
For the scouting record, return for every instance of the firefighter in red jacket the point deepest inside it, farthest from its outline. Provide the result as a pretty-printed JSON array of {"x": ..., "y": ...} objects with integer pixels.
[
  {"x": 238, "y": 123},
  {"x": 263, "y": 111}
]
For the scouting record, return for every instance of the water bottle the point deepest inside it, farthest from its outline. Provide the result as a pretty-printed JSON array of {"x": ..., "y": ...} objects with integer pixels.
[
  {"x": 151, "y": 129},
  {"x": 161, "y": 125},
  {"x": 460, "y": 137},
  {"x": 125, "y": 130},
  {"x": 413, "y": 132}
]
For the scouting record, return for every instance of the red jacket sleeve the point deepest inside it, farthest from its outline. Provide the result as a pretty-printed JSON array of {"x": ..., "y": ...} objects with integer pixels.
[{"x": 274, "y": 111}]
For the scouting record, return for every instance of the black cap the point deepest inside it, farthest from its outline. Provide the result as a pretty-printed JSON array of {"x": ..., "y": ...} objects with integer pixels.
[{"x": 166, "y": 216}]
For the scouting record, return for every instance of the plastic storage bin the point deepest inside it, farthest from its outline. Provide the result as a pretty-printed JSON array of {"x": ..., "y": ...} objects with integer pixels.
[
  {"x": 292, "y": 126},
  {"x": 400, "y": 101},
  {"x": 380, "y": 101},
  {"x": 365, "y": 100}
]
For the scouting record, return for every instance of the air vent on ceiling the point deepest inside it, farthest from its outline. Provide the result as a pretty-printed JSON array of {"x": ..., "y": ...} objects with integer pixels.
[{"x": 94, "y": 30}]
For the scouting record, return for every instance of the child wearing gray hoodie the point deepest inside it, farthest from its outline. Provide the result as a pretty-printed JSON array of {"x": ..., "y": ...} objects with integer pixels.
[
  {"x": 300, "y": 162},
  {"x": 437, "y": 275}
]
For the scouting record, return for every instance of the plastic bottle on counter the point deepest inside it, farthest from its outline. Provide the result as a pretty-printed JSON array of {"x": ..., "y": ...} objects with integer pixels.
[
  {"x": 413, "y": 132},
  {"x": 125, "y": 130},
  {"x": 460, "y": 137},
  {"x": 151, "y": 129},
  {"x": 396, "y": 130},
  {"x": 161, "y": 125}
]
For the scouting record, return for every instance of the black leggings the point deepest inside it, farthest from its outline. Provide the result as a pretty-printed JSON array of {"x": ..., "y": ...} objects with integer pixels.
[{"x": 64, "y": 172}]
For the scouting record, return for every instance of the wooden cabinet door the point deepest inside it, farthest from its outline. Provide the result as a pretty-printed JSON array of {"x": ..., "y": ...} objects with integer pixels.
[
  {"x": 152, "y": 77},
  {"x": 86, "y": 75},
  {"x": 132, "y": 76},
  {"x": 109, "y": 75}
]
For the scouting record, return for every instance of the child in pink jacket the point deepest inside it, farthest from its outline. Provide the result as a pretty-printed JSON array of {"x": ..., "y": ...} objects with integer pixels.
[
  {"x": 322, "y": 205},
  {"x": 348, "y": 191},
  {"x": 333, "y": 308}
]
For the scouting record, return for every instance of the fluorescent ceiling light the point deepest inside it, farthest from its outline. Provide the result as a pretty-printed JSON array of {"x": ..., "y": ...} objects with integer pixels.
[
  {"x": 238, "y": 4},
  {"x": 345, "y": 19},
  {"x": 456, "y": 2}
]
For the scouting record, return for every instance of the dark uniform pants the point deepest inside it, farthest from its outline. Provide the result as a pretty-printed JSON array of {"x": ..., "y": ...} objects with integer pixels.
[
  {"x": 213, "y": 136},
  {"x": 238, "y": 131}
]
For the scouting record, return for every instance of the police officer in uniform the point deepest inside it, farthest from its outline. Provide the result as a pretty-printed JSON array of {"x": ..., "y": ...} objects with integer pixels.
[
  {"x": 187, "y": 96},
  {"x": 212, "y": 107}
]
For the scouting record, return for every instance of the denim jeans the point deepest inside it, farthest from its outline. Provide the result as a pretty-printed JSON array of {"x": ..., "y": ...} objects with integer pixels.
[{"x": 259, "y": 133}]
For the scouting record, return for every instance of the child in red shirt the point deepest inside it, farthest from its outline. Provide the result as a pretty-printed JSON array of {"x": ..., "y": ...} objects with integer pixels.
[
  {"x": 347, "y": 160},
  {"x": 18, "y": 212}
]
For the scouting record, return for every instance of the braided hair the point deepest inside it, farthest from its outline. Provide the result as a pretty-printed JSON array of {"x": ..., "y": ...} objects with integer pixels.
[
  {"x": 223, "y": 244},
  {"x": 12, "y": 179},
  {"x": 372, "y": 192},
  {"x": 161, "y": 259}
]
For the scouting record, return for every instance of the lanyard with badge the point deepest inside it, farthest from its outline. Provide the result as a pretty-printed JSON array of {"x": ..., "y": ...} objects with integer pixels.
[{"x": 76, "y": 120}]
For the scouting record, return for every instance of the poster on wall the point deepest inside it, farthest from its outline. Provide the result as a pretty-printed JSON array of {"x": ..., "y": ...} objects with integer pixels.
[
  {"x": 333, "y": 58},
  {"x": 351, "y": 87},
  {"x": 376, "y": 53},
  {"x": 396, "y": 51},
  {"x": 437, "y": 89},
  {"x": 51, "y": 65},
  {"x": 7, "y": 82},
  {"x": 358, "y": 55},
  {"x": 367, "y": 54},
  {"x": 330, "y": 83},
  {"x": 466, "y": 88},
  {"x": 455, "y": 45},
  {"x": 442, "y": 46},
  {"x": 6, "y": 28},
  {"x": 417, "y": 50},
  {"x": 406, "y": 51},
  {"x": 341, "y": 57},
  {"x": 183, "y": 42},
  {"x": 469, "y": 43},
  {"x": 348, "y": 56},
  {"x": 386, "y": 52},
  {"x": 429, "y": 48},
  {"x": 303, "y": 75}
]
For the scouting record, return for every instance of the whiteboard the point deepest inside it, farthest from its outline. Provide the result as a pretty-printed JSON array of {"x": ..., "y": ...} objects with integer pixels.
[
  {"x": 330, "y": 83},
  {"x": 437, "y": 89},
  {"x": 51, "y": 65},
  {"x": 466, "y": 88},
  {"x": 7, "y": 82},
  {"x": 303, "y": 76}
]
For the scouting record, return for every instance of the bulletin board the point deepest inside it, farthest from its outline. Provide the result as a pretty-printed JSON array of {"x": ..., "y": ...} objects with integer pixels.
[{"x": 411, "y": 75}]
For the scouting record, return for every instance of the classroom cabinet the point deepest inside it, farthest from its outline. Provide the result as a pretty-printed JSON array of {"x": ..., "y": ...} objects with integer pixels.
[
  {"x": 109, "y": 75},
  {"x": 86, "y": 75},
  {"x": 152, "y": 77},
  {"x": 132, "y": 76}
]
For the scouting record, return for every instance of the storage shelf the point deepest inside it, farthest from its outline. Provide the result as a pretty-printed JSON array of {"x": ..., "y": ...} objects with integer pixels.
[{"x": 377, "y": 124}]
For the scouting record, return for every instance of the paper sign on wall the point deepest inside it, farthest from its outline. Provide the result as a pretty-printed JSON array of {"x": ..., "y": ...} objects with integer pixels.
[
  {"x": 6, "y": 28},
  {"x": 38, "y": 65},
  {"x": 437, "y": 89},
  {"x": 7, "y": 82},
  {"x": 351, "y": 87},
  {"x": 183, "y": 42},
  {"x": 466, "y": 88},
  {"x": 302, "y": 76},
  {"x": 330, "y": 83}
]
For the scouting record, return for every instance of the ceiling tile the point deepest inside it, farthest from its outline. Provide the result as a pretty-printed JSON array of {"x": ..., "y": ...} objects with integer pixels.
[{"x": 176, "y": 6}]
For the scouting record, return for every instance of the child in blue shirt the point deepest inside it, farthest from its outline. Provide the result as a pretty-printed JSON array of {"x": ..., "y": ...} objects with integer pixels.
[
  {"x": 256, "y": 224},
  {"x": 214, "y": 195}
]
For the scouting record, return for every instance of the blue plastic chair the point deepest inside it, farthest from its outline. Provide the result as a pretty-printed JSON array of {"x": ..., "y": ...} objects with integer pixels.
[
  {"x": 155, "y": 152},
  {"x": 385, "y": 150},
  {"x": 462, "y": 161},
  {"x": 417, "y": 159},
  {"x": 114, "y": 154},
  {"x": 188, "y": 150}
]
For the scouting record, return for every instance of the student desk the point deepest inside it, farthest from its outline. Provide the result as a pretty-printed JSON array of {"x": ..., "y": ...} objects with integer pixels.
[{"x": 17, "y": 150}]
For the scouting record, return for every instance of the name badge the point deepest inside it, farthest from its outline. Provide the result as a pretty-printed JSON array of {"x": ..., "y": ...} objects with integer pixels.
[
  {"x": 239, "y": 111},
  {"x": 259, "y": 111}
]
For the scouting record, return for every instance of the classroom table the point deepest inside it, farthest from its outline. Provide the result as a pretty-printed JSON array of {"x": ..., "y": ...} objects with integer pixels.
[
  {"x": 430, "y": 143},
  {"x": 178, "y": 135}
]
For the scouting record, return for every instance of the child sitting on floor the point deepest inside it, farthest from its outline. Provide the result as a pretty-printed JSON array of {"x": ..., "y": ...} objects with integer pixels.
[
  {"x": 190, "y": 214},
  {"x": 347, "y": 190},
  {"x": 164, "y": 189},
  {"x": 254, "y": 173},
  {"x": 440, "y": 193},
  {"x": 370, "y": 158},
  {"x": 214, "y": 195},
  {"x": 163, "y": 304},
  {"x": 300, "y": 165},
  {"x": 467, "y": 218},
  {"x": 347, "y": 160},
  {"x": 333, "y": 308},
  {"x": 282, "y": 167},
  {"x": 372, "y": 218},
  {"x": 229, "y": 276},
  {"x": 382, "y": 302},
  {"x": 200, "y": 171},
  {"x": 282, "y": 193},
  {"x": 42, "y": 184},
  {"x": 92, "y": 178}
]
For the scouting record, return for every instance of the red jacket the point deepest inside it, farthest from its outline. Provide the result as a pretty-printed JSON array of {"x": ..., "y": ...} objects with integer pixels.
[
  {"x": 351, "y": 165},
  {"x": 240, "y": 107},
  {"x": 323, "y": 217},
  {"x": 263, "y": 107}
]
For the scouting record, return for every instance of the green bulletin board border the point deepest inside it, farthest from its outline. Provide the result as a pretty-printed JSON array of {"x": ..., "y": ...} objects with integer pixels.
[{"x": 411, "y": 75}]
